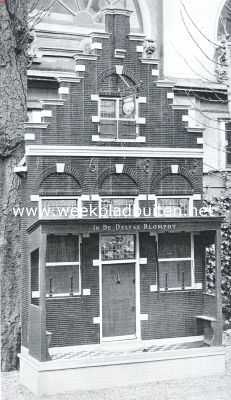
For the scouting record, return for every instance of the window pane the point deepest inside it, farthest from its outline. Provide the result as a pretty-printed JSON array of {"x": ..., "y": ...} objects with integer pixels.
[
  {"x": 108, "y": 129},
  {"x": 174, "y": 245},
  {"x": 62, "y": 248},
  {"x": 127, "y": 129},
  {"x": 173, "y": 207},
  {"x": 108, "y": 108},
  {"x": 175, "y": 274},
  {"x": 59, "y": 208},
  {"x": 62, "y": 280},
  {"x": 118, "y": 247},
  {"x": 127, "y": 108},
  {"x": 34, "y": 277},
  {"x": 120, "y": 208}
]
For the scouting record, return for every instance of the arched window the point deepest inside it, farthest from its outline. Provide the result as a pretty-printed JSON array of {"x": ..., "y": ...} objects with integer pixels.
[
  {"x": 118, "y": 196},
  {"x": 174, "y": 185},
  {"x": 59, "y": 196},
  {"x": 59, "y": 185},
  {"x": 224, "y": 26},
  {"x": 85, "y": 13},
  {"x": 118, "y": 185},
  {"x": 174, "y": 196}
]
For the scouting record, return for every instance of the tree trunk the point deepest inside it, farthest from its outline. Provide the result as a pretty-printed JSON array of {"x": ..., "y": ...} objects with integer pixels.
[{"x": 13, "y": 64}]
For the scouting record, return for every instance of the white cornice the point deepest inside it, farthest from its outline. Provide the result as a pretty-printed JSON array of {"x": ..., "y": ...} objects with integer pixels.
[
  {"x": 52, "y": 74},
  {"x": 165, "y": 83},
  {"x": 52, "y": 102},
  {"x": 67, "y": 53},
  {"x": 100, "y": 35},
  {"x": 35, "y": 125},
  {"x": 108, "y": 151},
  {"x": 136, "y": 36}
]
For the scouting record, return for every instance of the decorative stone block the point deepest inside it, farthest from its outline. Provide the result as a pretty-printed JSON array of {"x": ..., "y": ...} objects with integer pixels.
[{"x": 60, "y": 167}]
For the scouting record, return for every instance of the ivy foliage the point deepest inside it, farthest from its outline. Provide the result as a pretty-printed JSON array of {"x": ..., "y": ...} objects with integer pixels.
[{"x": 222, "y": 207}]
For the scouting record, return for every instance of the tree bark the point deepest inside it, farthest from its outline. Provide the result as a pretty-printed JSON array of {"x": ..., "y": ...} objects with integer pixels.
[{"x": 13, "y": 88}]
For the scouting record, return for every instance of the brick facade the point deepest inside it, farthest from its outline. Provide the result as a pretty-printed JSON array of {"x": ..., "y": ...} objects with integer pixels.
[{"x": 68, "y": 122}]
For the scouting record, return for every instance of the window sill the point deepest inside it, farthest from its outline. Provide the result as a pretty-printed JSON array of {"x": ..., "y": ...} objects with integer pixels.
[
  {"x": 187, "y": 289},
  {"x": 63, "y": 295},
  {"x": 36, "y": 295},
  {"x": 115, "y": 262},
  {"x": 138, "y": 139}
]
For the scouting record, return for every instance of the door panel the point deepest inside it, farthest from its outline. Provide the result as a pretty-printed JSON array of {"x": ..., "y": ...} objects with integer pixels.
[{"x": 118, "y": 300}]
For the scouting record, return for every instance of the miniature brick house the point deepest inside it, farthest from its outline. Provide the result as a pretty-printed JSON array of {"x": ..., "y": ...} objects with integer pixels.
[{"x": 107, "y": 138}]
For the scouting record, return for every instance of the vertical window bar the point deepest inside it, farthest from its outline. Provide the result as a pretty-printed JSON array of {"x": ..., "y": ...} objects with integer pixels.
[
  {"x": 183, "y": 281},
  {"x": 71, "y": 286},
  {"x": 166, "y": 282},
  {"x": 51, "y": 287}
]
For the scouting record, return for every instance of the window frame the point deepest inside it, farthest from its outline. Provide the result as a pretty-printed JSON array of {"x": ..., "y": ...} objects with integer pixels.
[
  {"x": 117, "y": 119},
  {"x": 95, "y": 25},
  {"x": 119, "y": 261},
  {"x": 135, "y": 205},
  {"x": 66, "y": 264},
  {"x": 40, "y": 206},
  {"x": 189, "y": 197},
  {"x": 194, "y": 285},
  {"x": 36, "y": 294}
]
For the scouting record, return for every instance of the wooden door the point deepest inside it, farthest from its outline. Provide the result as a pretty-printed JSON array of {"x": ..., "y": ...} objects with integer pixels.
[{"x": 118, "y": 300}]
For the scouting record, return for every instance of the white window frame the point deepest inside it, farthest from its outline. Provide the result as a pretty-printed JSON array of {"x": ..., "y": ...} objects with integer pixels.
[
  {"x": 117, "y": 118},
  {"x": 194, "y": 285},
  {"x": 36, "y": 294},
  {"x": 135, "y": 206},
  {"x": 122, "y": 261},
  {"x": 190, "y": 198},
  {"x": 40, "y": 206}
]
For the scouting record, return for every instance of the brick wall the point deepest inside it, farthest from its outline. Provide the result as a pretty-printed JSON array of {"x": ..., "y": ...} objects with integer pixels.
[
  {"x": 171, "y": 314},
  {"x": 71, "y": 123},
  {"x": 71, "y": 320}
]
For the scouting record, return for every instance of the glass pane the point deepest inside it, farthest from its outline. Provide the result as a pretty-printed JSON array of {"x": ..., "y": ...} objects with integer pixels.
[
  {"x": 34, "y": 277},
  {"x": 59, "y": 208},
  {"x": 62, "y": 248},
  {"x": 62, "y": 280},
  {"x": 127, "y": 129},
  {"x": 108, "y": 108},
  {"x": 173, "y": 207},
  {"x": 175, "y": 274},
  {"x": 228, "y": 154},
  {"x": 120, "y": 208},
  {"x": 174, "y": 245},
  {"x": 83, "y": 12},
  {"x": 96, "y": 4},
  {"x": 82, "y": 4},
  {"x": 108, "y": 129},
  {"x": 118, "y": 247},
  {"x": 127, "y": 108}
]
